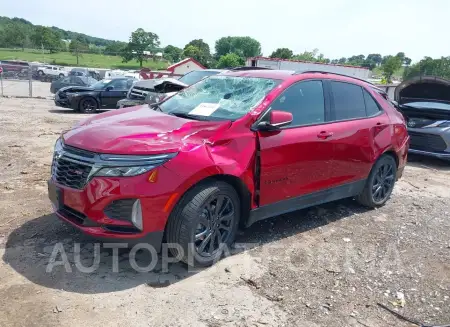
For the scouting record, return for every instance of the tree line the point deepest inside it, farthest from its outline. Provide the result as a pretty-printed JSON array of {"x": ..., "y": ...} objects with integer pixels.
[{"x": 229, "y": 51}]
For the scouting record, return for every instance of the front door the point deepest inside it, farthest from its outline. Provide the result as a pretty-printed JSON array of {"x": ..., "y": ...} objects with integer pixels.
[{"x": 296, "y": 160}]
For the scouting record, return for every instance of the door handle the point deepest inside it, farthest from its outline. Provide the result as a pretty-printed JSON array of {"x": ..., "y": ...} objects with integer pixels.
[{"x": 324, "y": 135}]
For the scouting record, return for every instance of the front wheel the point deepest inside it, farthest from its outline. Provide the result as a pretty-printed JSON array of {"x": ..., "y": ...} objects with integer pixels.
[
  {"x": 88, "y": 106},
  {"x": 40, "y": 73},
  {"x": 380, "y": 183},
  {"x": 61, "y": 75},
  {"x": 204, "y": 223}
]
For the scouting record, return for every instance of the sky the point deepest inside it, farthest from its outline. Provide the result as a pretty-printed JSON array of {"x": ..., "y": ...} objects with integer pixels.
[{"x": 338, "y": 28}]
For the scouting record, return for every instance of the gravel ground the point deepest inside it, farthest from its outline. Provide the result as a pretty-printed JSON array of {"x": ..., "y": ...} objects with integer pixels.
[
  {"x": 21, "y": 88},
  {"x": 324, "y": 266}
]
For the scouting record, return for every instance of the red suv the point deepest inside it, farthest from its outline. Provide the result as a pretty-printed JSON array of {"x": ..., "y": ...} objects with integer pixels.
[{"x": 229, "y": 150}]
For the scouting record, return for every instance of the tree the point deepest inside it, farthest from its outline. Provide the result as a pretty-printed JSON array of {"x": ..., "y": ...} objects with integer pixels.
[
  {"x": 14, "y": 35},
  {"x": 172, "y": 53},
  {"x": 390, "y": 66},
  {"x": 342, "y": 61},
  {"x": 78, "y": 46},
  {"x": 243, "y": 46},
  {"x": 429, "y": 66},
  {"x": 282, "y": 53},
  {"x": 229, "y": 60},
  {"x": 407, "y": 61},
  {"x": 374, "y": 58},
  {"x": 203, "y": 55},
  {"x": 114, "y": 48},
  {"x": 193, "y": 52},
  {"x": 46, "y": 38},
  {"x": 140, "y": 43}
]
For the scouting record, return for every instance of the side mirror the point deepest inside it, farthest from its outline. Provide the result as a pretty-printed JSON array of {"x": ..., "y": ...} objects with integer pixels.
[
  {"x": 277, "y": 119},
  {"x": 109, "y": 88}
]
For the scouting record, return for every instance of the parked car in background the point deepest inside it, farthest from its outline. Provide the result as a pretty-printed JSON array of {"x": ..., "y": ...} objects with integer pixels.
[
  {"x": 429, "y": 127},
  {"x": 15, "y": 69},
  {"x": 52, "y": 71},
  {"x": 88, "y": 99},
  {"x": 85, "y": 72},
  {"x": 230, "y": 150},
  {"x": 155, "y": 90},
  {"x": 71, "y": 81}
]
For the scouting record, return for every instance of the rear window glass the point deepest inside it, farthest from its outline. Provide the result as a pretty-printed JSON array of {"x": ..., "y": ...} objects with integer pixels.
[
  {"x": 372, "y": 107},
  {"x": 348, "y": 101}
]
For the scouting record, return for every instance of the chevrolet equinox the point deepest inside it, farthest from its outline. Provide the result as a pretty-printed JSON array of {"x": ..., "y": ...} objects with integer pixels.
[{"x": 226, "y": 152}]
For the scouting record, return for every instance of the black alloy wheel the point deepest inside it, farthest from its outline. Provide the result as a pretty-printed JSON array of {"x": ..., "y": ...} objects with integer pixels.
[
  {"x": 380, "y": 183},
  {"x": 88, "y": 105},
  {"x": 215, "y": 225},
  {"x": 383, "y": 182}
]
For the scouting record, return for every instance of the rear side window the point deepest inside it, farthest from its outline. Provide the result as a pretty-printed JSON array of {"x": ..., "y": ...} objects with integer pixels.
[
  {"x": 372, "y": 107},
  {"x": 305, "y": 101},
  {"x": 348, "y": 101}
]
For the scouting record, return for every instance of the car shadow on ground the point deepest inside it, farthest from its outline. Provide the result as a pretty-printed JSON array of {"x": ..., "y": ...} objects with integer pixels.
[
  {"x": 71, "y": 111},
  {"x": 30, "y": 247}
]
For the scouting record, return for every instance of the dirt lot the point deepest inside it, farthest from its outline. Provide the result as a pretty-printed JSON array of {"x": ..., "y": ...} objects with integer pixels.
[{"x": 325, "y": 266}]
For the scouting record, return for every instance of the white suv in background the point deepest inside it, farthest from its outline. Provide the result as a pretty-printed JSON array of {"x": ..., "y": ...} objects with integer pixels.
[{"x": 52, "y": 70}]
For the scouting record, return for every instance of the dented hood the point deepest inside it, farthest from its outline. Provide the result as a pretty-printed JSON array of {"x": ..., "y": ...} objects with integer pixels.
[
  {"x": 140, "y": 130},
  {"x": 159, "y": 83}
]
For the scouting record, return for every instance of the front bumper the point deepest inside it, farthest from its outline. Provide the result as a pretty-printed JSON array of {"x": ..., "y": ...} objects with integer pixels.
[
  {"x": 124, "y": 103},
  {"x": 445, "y": 156},
  {"x": 85, "y": 208}
]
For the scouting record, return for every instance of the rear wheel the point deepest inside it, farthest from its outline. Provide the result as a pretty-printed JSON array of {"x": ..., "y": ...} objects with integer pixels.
[
  {"x": 204, "y": 223},
  {"x": 61, "y": 75},
  {"x": 40, "y": 73},
  {"x": 88, "y": 106},
  {"x": 380, "y": 183}
]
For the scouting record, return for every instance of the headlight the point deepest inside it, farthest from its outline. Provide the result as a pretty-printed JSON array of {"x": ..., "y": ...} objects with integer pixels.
[
  {"x": 445, "y": 124},
  {"x": 123, "y": 171},
  {"x": 58, "y": 145},
  {"x": 124, "y": 165}
]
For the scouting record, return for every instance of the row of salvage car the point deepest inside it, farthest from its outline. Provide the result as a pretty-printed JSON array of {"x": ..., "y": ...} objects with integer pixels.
[{"x": 424, "y": 101}]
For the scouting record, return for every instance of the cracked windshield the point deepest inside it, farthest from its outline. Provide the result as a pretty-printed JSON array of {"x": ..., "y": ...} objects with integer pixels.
[{"x": 219, "y": 97}]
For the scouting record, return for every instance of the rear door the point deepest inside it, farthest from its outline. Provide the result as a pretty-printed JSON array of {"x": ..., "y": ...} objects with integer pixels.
[
  {"x": 296, "y": 160},
  {"x": 360, "y": 132}
]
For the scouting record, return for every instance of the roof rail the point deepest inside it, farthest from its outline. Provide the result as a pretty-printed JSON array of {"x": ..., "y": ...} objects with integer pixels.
[
  {"x": 249, "y": 68},
  {"x": 327, "y": 72}
]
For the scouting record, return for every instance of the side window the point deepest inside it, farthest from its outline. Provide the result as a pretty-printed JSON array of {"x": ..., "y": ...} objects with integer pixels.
[
  {"x": 79, "y": 81},
  {"x": 372, "y": 107},
  {"x": 348, "y": 101},
  {"x": 130, "y": 83},
  {"x": 305, "y": 101},
  {"x": 66, "y": 80},
  {"x": 119, "y": 84}
]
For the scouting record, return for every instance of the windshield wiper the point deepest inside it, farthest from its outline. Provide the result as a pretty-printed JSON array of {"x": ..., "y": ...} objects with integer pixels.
[{"x": 187, "y": 116}]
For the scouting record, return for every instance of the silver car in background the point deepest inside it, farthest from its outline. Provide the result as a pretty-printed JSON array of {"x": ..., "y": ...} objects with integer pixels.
[{"x": 429, "y": 127}]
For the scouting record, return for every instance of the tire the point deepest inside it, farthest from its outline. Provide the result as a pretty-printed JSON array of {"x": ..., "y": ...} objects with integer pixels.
[
  {"x": 383, "y": 174},
  {"x": 61, "y": 75},
  {"x": 194, "y": 222},
  {"x": 40, "y": 73},
  {"x": 88, "y": 105}
]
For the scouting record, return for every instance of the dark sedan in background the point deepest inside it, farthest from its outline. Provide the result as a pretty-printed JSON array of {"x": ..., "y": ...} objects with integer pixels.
[
  {"x": 102, "y": 95},
  {"x": 71, "y": 81}
]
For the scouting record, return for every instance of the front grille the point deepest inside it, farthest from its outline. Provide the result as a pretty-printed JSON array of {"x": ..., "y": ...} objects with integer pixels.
[
  {"x": 120, "y": 209},
  {"x": 72, "y": 167},
  {"x": 138, "y": 92},
  {"x": 427, "y": 142},
  {"x": 70, "y": 173}
]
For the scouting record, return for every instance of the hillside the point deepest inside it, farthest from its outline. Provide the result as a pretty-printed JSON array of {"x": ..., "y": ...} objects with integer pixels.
[{"x": 64, "y": 34}]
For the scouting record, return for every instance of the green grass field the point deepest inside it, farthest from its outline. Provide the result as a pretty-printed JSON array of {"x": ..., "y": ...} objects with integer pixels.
[{"x": 86, "y": 60}]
